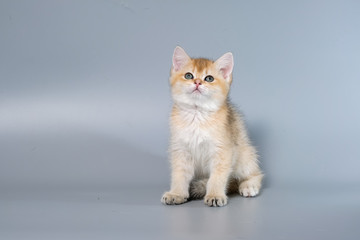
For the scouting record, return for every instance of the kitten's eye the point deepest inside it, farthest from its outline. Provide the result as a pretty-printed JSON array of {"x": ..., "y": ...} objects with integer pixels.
[
  {"x": 209, "y": 78},
  {"x": 188, "y": 76}
]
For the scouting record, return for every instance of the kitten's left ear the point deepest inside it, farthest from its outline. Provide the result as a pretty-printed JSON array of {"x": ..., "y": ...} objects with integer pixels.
[{"x": 225, "y": 65}]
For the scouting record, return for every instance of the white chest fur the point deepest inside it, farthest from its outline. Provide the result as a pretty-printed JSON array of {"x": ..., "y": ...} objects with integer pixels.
[{"x": 195, "y": 140}]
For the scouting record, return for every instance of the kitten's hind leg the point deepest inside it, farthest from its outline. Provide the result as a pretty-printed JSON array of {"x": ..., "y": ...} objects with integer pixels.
[{"x": 251, "y": 186}]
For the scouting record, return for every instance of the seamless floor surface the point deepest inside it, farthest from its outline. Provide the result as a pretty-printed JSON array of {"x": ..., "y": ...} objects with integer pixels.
[{"x": 136, "y": 213}]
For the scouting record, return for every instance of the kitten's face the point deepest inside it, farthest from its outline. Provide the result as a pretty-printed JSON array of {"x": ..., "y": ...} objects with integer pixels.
[{"x": 200, "y": 82}]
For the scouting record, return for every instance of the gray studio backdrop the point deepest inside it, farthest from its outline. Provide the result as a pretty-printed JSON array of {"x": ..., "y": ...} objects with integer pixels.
[{"x": 84, "y": 95}]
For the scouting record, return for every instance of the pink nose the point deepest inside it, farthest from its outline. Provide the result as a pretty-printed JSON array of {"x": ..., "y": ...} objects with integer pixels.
[{"x": 197, "y": 82}]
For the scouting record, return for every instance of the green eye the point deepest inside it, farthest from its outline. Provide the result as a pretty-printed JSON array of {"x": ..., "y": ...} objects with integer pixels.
[
  {"x": 209, "y": 78},
  {"x": 188, "y": 76}
]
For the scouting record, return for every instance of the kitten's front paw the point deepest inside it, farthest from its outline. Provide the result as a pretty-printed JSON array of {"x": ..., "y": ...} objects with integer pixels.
[
  {"x": 171, "y": 198},
  {"x": 247, "y": 190},
  {"x": 215, "y": 201}
]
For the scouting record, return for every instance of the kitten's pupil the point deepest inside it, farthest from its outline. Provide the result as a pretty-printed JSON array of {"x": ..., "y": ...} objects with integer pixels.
[
  {"x": 188, "y": 76},
  {"x": 209, "y": 78}
]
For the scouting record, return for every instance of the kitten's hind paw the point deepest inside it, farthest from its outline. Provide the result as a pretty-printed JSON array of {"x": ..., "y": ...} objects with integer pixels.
[
  {"x": 249, "y": 191},
  {"x": 173, "y": 199},
  {"x": 215, "y": 201},
  {"x": 250, "y": 187}
]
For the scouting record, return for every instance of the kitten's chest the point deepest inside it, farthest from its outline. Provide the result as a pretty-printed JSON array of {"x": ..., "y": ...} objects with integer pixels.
[{"x": 196, "y": 137}]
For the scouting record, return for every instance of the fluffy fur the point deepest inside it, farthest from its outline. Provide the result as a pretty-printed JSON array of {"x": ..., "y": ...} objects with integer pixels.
[{"x": 211, "y": 154}]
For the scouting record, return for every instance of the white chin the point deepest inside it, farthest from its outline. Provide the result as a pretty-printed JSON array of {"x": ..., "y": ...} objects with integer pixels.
[
  {"x": 196, "y": 94},
  {"x": 197, "y": 99}
]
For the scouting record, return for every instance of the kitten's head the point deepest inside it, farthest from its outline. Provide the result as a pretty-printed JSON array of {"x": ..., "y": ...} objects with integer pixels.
[{"x": 199, "y": 82}]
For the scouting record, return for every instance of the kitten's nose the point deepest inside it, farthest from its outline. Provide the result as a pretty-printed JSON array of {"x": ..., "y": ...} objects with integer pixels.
[{"x": 197, "y": 82}]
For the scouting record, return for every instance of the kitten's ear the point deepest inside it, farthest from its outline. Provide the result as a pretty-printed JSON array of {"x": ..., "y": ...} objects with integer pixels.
[
  {"x": 225, "y": 65},
  {"x": 180, "y": 58}
]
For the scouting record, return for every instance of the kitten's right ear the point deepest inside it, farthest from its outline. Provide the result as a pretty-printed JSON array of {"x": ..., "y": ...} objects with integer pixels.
[{"x": 180, "y": 58}]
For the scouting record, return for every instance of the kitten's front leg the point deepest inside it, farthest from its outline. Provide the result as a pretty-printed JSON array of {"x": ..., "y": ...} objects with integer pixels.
[
  {"x": 216, "y": 186},
  {"x": 181, "y": 175}
]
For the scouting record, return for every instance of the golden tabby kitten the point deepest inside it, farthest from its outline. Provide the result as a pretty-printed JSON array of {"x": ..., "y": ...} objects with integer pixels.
[{"x": 210, "y": 151}]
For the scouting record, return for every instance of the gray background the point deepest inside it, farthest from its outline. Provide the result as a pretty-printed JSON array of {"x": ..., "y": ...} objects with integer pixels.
[{"x": 84, "y": 106}]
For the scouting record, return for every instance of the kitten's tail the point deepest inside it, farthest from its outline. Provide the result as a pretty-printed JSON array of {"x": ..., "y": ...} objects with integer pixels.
[{"x": 198, "y": 188}]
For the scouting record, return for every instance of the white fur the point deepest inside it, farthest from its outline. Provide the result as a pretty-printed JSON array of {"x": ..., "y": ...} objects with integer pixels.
[
  {"x": 196, "y": 109},
  {"x": 200, "y": 144}
]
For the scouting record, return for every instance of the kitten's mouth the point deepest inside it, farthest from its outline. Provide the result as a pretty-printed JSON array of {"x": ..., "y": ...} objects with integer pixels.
[{"x": 196, "y": 90}]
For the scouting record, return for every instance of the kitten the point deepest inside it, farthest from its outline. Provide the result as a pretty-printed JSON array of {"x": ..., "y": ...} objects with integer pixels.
[{"x": 211, "y": 154}]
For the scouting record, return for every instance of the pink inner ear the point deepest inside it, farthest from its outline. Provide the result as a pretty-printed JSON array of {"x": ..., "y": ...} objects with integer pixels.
[
  {"x": 226, "y": 72},
  {"x": 177, "y": 63},
  {"x": 180, "y": 58},
  {"x": 225, "y": 64}
]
